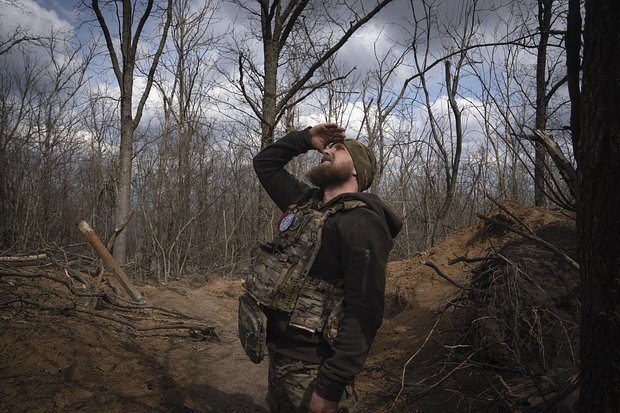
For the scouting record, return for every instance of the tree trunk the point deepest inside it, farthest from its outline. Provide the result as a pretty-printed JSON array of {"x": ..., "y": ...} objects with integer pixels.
[
  {"x": 185, "y": 137},
  {"x": 272, "y": 56},
  {"x": 123, "y": 195},
  {"x": 544, "y": 23},
  {"x": 123, "y": 69},
  {"x": 452, "y": 170},
  {"x": 598, "y": 160}
]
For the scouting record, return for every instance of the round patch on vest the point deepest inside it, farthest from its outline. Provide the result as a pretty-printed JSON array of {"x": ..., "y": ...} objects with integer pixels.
[
  {"x": 297, "y": 220},
  {"x": 286, "y": 222}
]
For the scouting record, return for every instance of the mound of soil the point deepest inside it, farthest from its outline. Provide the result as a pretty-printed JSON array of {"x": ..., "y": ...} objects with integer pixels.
[
  {"x": 445, "y": 347},
  {"x": 467, "y": 324}
]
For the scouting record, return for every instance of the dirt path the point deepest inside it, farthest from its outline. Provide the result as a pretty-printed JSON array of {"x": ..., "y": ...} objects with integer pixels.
[
  {"x": 69, "y": 363},
  {"x": 215, "y": 376}
]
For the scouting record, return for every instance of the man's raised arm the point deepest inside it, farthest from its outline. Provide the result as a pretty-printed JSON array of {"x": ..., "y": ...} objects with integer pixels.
[{"x": 283, "y": 188}]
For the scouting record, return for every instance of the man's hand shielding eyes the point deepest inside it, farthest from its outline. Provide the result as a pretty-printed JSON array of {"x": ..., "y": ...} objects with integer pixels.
[{"x": 324, "y": 134}]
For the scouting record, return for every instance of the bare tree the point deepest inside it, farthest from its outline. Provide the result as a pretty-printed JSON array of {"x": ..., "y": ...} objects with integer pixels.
[
  {"x": 100, "y": 121},
  {"x": 340, "y": 96},
  {"x": 184, "y": 87},
  {"x": 16, "y": 90},
  {"x": 279, "y": 22},
  {"x": 124, "y": 69},
  {"x": 448, "y": 138},
  {"x": 380, "y": 100},
  {"x": 56, "y": 118},
  {"x": 544, "y": 93},
  {"x": 507, "y": 87},
  {"x": 39, "y": 142}
]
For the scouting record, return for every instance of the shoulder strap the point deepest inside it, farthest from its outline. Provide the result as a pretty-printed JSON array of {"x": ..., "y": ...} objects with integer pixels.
[{"x": 345, "y": 205}]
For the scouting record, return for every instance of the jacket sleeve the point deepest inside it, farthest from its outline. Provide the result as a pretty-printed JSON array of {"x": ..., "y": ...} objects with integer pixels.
[
  {"x": 283, "y": 188},
  {"x": 365, "y": 248}
]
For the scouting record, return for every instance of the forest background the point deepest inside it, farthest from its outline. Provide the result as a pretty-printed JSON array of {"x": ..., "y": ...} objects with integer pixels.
[
  {"x": 148, "y": 114},
  {"x": 142, "y": 118}
]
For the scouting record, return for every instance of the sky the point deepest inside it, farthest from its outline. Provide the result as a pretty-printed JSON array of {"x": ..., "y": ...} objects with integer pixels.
[
  {"x": 391, "y": 27},
  {"x": 386, "y": 29}
]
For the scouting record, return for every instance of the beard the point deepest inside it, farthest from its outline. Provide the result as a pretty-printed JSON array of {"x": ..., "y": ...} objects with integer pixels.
[{"x": 328, "y": 174}]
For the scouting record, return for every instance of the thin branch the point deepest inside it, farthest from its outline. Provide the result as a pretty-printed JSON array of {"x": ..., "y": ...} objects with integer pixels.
[
  {"x": 467, "y": 260},
  {"x": 534, "y": 238},
  {"x": 444, "y": 378},
  {"x": 117, "y": 232},
  {"x": 431, "y": 264},
  {"x": 154, "y": 63},
  {"x": 561, "y": 162},
  {"x": 109, "y": 43},
  {"x": 257, "y": 110},
  {"x": 316, "y": 65},
  {"x": 402, "y": 381}
]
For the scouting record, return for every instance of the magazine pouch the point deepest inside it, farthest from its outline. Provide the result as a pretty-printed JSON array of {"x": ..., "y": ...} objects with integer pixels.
[{"x": 252, "y": 328}]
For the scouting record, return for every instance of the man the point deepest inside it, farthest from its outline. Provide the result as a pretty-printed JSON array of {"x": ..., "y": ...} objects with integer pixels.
[{"x": 321, "y": 282}]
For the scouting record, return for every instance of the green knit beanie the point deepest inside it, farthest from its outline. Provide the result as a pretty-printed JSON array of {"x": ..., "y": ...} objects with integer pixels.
[{"x": 364, "y": 162}]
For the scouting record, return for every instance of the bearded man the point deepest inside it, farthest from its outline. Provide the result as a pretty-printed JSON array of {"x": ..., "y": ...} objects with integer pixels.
[{"x": 320, "y": 283}]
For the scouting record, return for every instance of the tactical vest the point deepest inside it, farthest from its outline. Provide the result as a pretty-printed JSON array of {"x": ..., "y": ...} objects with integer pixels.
[{"x": 279, "y": 275}]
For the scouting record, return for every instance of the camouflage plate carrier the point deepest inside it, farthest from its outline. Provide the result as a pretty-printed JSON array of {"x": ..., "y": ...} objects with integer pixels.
[{"x": 279, "y": 280}]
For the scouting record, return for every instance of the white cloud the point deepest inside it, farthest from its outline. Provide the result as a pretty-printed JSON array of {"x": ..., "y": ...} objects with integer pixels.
[{"x": 31, "y": 16}]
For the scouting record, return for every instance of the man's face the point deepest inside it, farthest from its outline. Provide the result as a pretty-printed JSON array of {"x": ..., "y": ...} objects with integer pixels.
[{"x": 335, "y": 168}]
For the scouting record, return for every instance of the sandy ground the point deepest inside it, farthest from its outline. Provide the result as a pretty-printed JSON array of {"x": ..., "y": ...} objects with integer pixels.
[{"x": 64, "y": 362}]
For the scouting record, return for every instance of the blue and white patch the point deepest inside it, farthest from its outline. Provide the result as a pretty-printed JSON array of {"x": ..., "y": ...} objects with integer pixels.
[{"x": 286, "y": 222}]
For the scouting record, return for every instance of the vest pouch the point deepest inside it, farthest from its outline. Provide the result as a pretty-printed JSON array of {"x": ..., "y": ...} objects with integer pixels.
[
  {"x": 271, "y": 267},
  {"x": 333, "y": 322},
  {"x": 252, "y": 328},
  {"x": 308, "y": 311},
  {"x": 314, "y": 303}
]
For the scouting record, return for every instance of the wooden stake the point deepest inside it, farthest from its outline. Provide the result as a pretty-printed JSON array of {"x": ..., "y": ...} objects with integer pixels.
[{"x": 109, "y": 260}]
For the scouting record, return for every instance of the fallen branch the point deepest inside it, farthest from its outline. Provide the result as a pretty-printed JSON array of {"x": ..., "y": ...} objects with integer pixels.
[
  {"x": 431, "y": 264},
  {"x": 534, "y": 238},
  {"x": 564, "y": 166},
  {"x": 513, "y": 216},
  {"x": 23, "y": 258},
  {"x": 444, "y": 378},
  {"x": 466, "y": 260},
  {"x": 451, "y": 302},
  {"x": 70, "y": 309},
  {"x": 67, "y": 283},
  {"x": 402, "y": 381},
  {"x": 520, "y": 271},
  {"x": 108, "y": 297}
]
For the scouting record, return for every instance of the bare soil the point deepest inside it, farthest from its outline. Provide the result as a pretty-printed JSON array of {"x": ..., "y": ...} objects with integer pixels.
[
  {"x": 68, "y": 363},
  {"x": 65, "y": 353}
]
